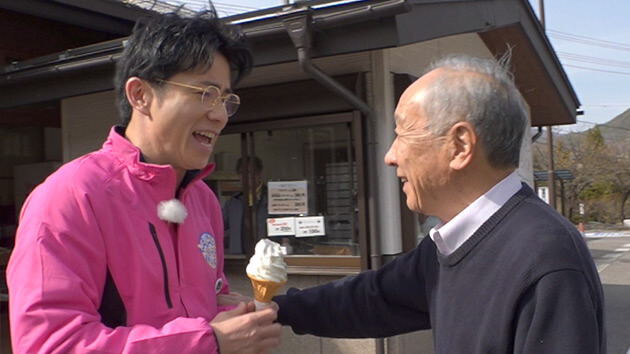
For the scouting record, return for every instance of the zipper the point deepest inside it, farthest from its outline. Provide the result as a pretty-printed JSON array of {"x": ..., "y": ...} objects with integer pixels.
[{"x": 164, "y": 269}]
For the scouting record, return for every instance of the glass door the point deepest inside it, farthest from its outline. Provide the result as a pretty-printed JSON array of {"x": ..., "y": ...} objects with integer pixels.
[{"x": 298, "y": 182}]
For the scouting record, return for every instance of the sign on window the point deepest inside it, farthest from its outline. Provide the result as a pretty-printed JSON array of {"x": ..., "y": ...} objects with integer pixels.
[
  {"x": 287, "y": 198},
  {"x": 281, "y": 226},
  {"x": 308, "y": 226}
]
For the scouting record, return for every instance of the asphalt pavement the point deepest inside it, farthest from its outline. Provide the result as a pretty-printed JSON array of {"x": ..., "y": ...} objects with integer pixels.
[{"x": 611, "y": 253}]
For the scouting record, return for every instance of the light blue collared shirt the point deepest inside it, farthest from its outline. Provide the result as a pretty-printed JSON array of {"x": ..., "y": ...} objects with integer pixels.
[{"x": 450, "y": 236}]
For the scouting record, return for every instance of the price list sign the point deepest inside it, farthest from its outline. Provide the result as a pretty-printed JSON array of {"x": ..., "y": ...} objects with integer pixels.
[
  {"x": 287, "y": 198},
  {"x": 310, "y": 226}
]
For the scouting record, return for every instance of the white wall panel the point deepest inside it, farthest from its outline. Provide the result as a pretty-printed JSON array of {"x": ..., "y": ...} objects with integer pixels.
[{"x": 85, "y": 122}]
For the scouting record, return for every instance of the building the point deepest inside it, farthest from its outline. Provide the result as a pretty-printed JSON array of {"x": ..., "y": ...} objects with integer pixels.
[{"x": 317, "y": 110}]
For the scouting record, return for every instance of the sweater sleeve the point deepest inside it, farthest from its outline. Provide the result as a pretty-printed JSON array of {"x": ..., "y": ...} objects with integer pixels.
[
  {"x": 373, "y": 304},
  {"x": 56, "y": 276},
  {"x": 558, "y": 315}
]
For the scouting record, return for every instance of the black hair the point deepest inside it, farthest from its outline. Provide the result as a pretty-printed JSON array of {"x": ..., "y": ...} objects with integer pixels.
[
  {"x": 258, "y": 165},
  {"x": 164, "y": 45}
]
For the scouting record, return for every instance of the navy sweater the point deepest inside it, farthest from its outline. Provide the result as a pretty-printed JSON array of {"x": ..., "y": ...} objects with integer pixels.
[{"x": 524, "y": 282}]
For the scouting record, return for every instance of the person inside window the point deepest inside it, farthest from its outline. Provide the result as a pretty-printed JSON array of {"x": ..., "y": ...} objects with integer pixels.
[{"x": 234, "y": 210}]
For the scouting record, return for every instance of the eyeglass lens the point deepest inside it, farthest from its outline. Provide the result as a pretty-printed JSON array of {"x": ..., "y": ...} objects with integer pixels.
[{"x": 212, "y": 96}]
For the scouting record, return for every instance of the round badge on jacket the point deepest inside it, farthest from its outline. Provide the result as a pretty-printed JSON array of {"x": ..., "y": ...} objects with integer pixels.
[
  {"x": 218, "y": 285},
  {"x": 208, "y": 248}
]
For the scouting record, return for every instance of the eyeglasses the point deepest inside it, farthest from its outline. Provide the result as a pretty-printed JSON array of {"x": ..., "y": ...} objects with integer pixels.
[{"x": 211, "y": 96}]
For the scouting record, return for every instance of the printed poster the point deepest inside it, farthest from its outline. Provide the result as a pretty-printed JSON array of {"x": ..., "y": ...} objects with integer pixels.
[{"x": 287, "y": 198}]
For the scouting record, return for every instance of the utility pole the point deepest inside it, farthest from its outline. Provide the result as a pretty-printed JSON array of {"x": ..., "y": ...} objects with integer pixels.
[{"x": 552, "y": 175}]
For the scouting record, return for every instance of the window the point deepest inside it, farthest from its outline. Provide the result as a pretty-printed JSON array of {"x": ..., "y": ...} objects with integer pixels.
[{"x": 304, "y": 191}]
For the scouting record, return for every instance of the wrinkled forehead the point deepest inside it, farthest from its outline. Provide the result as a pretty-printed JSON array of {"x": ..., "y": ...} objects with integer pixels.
[{"x": 409, "y": 114}]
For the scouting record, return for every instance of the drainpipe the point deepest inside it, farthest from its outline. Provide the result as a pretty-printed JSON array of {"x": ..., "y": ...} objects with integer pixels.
[{"x": 299, "y": 27}]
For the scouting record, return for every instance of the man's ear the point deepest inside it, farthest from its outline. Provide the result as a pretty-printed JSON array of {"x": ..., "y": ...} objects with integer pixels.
[
  {"x": 463, "y": 144},
  {"x": 139, "y": 94}
]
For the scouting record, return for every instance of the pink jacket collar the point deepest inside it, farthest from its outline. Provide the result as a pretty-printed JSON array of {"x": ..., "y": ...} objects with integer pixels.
[{"x": 129, "y": 155}]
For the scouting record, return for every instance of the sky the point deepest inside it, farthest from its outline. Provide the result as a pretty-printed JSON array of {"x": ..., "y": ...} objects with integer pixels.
[
  {"x": 592, "y": 40},
  {"x": 590, "y": 37}
]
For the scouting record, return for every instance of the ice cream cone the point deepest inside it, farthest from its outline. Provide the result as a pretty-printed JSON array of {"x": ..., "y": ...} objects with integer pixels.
[
  {"x": 264, "y": 290},
  {"x": 267, "y": 271}
]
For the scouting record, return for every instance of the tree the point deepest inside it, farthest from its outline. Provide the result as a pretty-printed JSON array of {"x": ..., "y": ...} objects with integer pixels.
[
  {"x": 620, "y": 175},
  {"x": 598, "y": 194},
  {"x": 587, "y": 157}
]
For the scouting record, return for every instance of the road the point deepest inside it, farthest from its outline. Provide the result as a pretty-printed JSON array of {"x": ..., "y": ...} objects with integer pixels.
[{"x": 611, "y": 253}]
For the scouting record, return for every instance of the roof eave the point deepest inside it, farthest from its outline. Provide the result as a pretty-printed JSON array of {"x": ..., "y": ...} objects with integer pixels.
[
  {"x": 537, "y": 70},
  {"x": 108, "y": 16}
]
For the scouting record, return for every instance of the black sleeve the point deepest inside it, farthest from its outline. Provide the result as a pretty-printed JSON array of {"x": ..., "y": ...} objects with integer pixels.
[
  {"x": 372, "y": 304},
  {"x": 559, "y": 314}
]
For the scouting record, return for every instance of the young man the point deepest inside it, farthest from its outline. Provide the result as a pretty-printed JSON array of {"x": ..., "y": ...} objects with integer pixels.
[
  {"x": 121, "y": 250},
  {"x": 502, "y": 272}
]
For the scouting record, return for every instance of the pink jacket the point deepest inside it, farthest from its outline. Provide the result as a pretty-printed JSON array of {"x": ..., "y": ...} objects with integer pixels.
[{"x": 97, "y": 216}]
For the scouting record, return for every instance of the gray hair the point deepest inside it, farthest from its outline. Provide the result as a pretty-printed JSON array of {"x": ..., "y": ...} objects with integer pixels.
[{"x": 488, "y": 99}]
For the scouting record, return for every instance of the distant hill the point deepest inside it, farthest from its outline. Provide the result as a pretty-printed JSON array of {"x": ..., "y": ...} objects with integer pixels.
[{"x": 617, "y": 129}]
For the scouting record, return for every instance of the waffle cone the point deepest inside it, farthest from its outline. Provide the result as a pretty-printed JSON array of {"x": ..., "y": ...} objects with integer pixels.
[{"x": 264, "y": 290}]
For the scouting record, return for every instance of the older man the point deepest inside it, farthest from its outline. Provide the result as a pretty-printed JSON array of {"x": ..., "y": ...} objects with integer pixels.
[{"x": 502, "y": 271}]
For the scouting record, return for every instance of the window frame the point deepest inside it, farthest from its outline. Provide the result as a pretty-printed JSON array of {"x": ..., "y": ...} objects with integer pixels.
[{"x": 324, "y": 264}]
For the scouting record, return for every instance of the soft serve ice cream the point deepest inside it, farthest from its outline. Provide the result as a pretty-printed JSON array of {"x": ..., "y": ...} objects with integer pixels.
[{"x": 267, "y": 271}]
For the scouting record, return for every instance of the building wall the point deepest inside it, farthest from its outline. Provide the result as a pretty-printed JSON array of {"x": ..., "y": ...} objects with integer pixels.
[{"x": 85, "y": 122}]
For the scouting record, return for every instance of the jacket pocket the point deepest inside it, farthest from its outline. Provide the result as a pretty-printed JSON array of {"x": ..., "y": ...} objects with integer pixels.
[{"x": 167, "y": 294}]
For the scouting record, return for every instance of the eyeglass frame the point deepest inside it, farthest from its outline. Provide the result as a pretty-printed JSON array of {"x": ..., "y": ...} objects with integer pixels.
[{"x": 223, "y": 98}]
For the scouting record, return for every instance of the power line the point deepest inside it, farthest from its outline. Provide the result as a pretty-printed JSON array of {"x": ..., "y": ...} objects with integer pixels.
[
  {"x": 589, "y": 59},
  {"x": 606, "y": 105},
  {"x": 593, "y": 60},
  {"x": 235, "y": 7},
  {"x": 588, "y": 40},
  {"x": 601, "y": 70}
]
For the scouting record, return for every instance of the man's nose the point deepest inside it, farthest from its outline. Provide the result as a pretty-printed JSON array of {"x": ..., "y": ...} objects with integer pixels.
[
  {"x": 390, "y": 156},
  {"x": 218, "y": 114}
]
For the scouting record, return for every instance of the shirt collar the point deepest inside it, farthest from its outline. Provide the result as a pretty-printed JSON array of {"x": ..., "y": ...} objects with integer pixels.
[{"x": 450, "y": 236}]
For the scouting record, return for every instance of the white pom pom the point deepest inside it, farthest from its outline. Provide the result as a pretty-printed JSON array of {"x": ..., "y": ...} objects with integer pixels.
[{"x": 172, "y": 211}]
